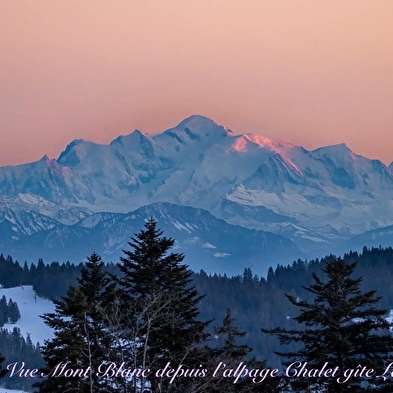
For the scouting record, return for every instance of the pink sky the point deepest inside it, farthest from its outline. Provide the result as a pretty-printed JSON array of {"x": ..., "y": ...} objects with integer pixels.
[{"x": 309, "y": 72}]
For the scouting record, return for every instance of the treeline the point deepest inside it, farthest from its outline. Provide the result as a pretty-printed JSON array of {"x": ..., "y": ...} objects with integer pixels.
[
  {"x": 52, "y": 280},
  {"x": 16, "y": 348},
  {"x": 9, "y": 311},
  {"x": 49, "y": 281},
  {"x": 255, "y": 302}
]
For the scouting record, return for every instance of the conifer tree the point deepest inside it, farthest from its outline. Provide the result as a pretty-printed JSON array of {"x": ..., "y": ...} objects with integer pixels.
[
  {"x": 13, "y": 311},
  {"x": 3, "y": 311},
  {"x": 2, "y": 372},
  {"x": 343, "y": 327},
  {"x": 80, "y": 337},
  {"x": 158, "y": 306},
  {"x": 227, "y": 334},
  {"x": 231, "y": 354}
]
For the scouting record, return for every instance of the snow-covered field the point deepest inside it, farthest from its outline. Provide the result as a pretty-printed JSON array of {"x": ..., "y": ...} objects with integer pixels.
[
  {"x": 30, "y": 322},
  {"x": 30, "y": 311}
]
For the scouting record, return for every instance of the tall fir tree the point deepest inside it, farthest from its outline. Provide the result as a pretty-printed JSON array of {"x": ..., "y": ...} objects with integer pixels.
[
  {"x": 158, "y": 307},
  {"x": 228, "y": 334},
  {"x": 80, "y": 336},
  {"x": 229, "y": 355},
  {"x": 343, "y": 328}
]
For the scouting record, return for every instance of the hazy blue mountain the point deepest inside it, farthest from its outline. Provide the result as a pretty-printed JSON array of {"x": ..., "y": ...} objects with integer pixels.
[
  {"x": 378, "y": 237},
  {"x": 209, "y": 243}
]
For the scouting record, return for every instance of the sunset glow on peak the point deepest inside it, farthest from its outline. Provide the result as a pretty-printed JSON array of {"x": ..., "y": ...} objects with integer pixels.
[
  {"x": 242, "y": 141},
  {"x": 240, "y": 144},
  {"x": 260, "y": 140},
  {"x": 313, "y": 73}
]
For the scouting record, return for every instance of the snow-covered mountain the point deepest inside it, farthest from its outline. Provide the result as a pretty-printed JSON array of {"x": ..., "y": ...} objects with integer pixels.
[{"x": 318, "y": 199}]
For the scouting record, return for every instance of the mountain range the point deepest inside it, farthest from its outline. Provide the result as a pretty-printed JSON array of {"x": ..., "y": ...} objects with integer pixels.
[{"x": 230, "y": 201}]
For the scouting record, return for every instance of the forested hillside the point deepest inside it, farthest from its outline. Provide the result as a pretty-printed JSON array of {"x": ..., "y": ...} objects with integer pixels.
[{"x": 256, "y": 302}]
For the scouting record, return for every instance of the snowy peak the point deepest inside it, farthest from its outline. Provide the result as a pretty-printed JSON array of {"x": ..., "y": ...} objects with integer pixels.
[
  {"x": 44, "y": 177},
  {"x": 202, "y": 125},
  {"x": 265, "y": 147},
  {"x": 135, "y": 138},
  {"x": 338, "y": 149},
  {"x": 135, "y": 143},
  {"x": 69, "y": 157},
  {"x": 78, "y": 151},
  {"x": 263, "y": 142},
  {"x": 316, "y": 196},
  {"x": 198, "y": 128}
]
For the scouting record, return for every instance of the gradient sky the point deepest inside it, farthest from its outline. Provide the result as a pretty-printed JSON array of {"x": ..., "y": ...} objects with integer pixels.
[{"x": 311, "y": 72}]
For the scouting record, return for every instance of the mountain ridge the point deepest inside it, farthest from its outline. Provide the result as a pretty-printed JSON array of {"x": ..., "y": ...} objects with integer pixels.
[{"x": 317, "y": 198}]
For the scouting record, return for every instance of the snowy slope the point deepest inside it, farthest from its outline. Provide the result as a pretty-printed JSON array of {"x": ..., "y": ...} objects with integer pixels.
[{"x": 30, "y": 310}]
